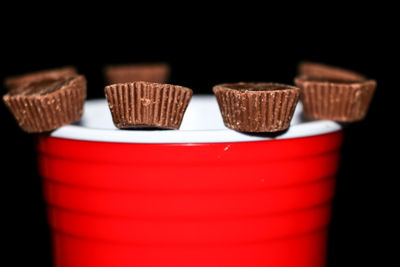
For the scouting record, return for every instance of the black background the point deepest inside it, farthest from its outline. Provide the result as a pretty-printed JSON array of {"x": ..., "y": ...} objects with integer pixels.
[{"x": 205, "y": 50}]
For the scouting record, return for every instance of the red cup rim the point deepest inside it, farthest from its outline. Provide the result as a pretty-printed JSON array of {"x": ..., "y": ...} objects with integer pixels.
[{"x": 202, "y": 123}]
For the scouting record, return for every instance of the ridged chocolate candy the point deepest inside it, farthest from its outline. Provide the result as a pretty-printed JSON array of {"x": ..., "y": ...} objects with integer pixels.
[
  {"x": 335, "y": 100},
  {"x": 144, "y": 104},
  {"x": 256, "y": 107},
  {"x": 48, "y": 104}
]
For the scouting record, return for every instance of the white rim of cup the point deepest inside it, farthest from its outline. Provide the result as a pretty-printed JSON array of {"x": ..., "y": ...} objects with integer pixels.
[{"x": 202, "y": 123}]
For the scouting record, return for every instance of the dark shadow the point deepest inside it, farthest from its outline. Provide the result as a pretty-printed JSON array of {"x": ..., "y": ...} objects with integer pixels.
[
  {"x": 304, "y": 119},
  {"x": 346, "y": 125},
  {"x": 77, "y": 123},
  {"x": 268, "y": 135},
  {"x": 130, "y": 128},
  {"x": 146, "y": 128}
]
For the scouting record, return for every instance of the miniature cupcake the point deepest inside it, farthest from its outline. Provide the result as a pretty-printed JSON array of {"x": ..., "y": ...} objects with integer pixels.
[
  {"x": 47, "y": 104},
  {"x": 52, "y": 74},
  {"x": 151, "y": 72},
  {"x": 256, "y": 107},
  {"x": 145, "y": 104}
]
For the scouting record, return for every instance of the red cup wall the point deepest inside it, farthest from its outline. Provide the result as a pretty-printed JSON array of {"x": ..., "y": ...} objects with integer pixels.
[{"x": 264, "y": 203}]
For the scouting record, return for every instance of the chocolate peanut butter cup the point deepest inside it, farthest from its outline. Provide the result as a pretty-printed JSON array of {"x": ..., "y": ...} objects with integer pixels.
[
  {"x": 48, "y": 104},
  {"x": 151, "y": 72},
  {"x": 256, "y": 107},
  {"x": 335, "y": 99},
  {"x": 320, "y": 71},
  {"x": 147, "y": 105},
  {"x": 52, "y": 74}
]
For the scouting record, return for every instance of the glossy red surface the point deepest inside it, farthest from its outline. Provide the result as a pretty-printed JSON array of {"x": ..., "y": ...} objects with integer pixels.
[{"x": 264, "y": 203}]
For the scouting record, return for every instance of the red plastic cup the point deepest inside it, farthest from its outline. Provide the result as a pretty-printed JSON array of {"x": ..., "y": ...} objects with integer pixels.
[{"x": 201, "y": 196}]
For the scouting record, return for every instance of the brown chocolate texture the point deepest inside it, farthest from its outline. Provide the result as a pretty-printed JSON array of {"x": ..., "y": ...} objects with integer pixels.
[
  {"x": 151, "y": 72},
  {"x": 322, "y": 72},
  {"x": 144, "y": 104},
  {"x": 46, "y": 105},
  {"x": 256, "y": 107},
  {"x": 53, "y": 74},
  {"x": 333, "y": 93}
]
